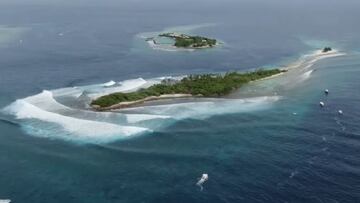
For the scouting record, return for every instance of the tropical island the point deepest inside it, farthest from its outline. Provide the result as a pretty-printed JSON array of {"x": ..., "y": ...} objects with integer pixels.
[
  {"x": 327, "y": 49},
  {"x": 185, "y": 41},
  {"x": 205, "y": 85}
]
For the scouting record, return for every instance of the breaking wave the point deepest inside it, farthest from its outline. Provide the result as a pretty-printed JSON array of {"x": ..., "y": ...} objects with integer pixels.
[
  {"x": 73, "y": 128},
  {"x": 43, "y": 116}
]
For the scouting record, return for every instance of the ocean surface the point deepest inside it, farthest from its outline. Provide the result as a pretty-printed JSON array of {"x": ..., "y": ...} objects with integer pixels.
[{"x": 267, "y": 142}]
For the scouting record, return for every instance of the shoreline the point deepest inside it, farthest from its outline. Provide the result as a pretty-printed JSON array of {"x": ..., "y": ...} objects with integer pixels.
[
  {"x": 313, "y": 58},
  {"x": 273, "y": 76},
  {"x": 167, "y": 47},
  {"x": 123, "y": 105}
]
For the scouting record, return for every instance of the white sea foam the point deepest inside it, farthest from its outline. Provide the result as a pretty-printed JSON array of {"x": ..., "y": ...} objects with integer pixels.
[
  {"x": 302, "y": 69},
  {"x": 308, "y": 60},
  {"x": 44, "y": 100},
  {"x": 44, "y": 108},
  {"x": 135, "y": 118},
  {"x": 54, "y": 120},
  {"x": 205, "y": 109},
  {"x": 68, "y": 91},
  {"x": 131, "y": 84},
  {"x": 124, "y": 86},
  {"x": 77, "y": 129},
  {"x": 109, "y": 84}
]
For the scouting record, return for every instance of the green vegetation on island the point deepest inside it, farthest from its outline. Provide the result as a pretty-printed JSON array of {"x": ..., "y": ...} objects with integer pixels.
[
  {"x": 187, "y": 41},
  {"x": 206, "y": 85},
  {"x": 326, "y": 49}
]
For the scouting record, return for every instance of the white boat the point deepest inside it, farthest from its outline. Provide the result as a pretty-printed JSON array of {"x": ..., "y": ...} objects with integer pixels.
[{"x": 202, "y": 180}]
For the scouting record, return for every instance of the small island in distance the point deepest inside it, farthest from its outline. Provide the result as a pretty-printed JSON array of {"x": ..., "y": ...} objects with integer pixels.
[
  {"x": 327, "y": 49},
  {"x": 184, "y": 41},
  {"x": 205, "y": 85}
]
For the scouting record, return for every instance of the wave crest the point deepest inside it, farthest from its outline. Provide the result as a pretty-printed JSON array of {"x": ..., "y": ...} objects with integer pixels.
[{"x": 74, "y": 129}]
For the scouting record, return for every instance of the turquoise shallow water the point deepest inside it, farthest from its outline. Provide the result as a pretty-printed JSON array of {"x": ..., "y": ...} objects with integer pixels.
[{"x": 280, "y": 149}]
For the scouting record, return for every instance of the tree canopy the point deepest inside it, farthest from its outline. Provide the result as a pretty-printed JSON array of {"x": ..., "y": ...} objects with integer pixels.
[
  {"x": 206, "y": 85},
  {"x": 326, "y": 49},
  {"x": 182, "y": 40}
]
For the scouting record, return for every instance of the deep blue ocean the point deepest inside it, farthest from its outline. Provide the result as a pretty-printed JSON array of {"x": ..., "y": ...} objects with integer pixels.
[{"x": 268, "y": 142}]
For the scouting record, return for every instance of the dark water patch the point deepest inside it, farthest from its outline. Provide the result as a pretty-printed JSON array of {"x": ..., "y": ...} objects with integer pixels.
[{"x": 9, "y": 122}]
